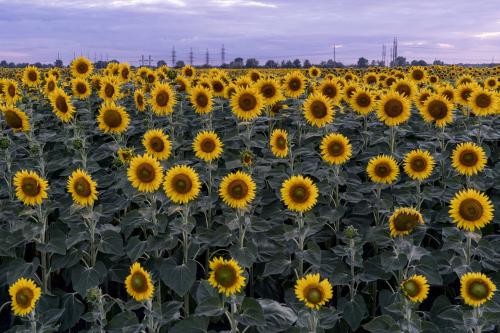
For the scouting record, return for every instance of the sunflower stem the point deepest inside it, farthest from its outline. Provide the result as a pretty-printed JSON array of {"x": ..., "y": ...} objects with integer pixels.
[
  {"x": 393, "y": 139},
  {"x": 407, "y": 316},
  {"x": 479, "y": 128},
  {"x": 43, "y": 254},
  {"x": 313, "y": 321},
  {"x": 477, "y": 313},
  {"x": 300, "y": 222},
  {"x": 32, "y": 318},
  {"x": 419, "y": 194},
  {"x": 352, "y": 255},
  {"x": 185, "y": 243},
  {"x": 468, "y": 248}
]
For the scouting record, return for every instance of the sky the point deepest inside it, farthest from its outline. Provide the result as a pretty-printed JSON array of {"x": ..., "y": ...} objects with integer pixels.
[{"x": 454, "y": 31}]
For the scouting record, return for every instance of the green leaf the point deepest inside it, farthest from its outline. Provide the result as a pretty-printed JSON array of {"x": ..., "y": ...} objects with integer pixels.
[
  {"x": 192, "y": 324},
  {"x": 73, "y": 309},
  {"x": 278, "y": 317},
  {"x": 211, "y": 307},
  {"x": 111, "y": 243},
  {"x": 84, "y": 278},
  {"x": 135, "y": 248},
  {"x": 382, "y": 324},
  {"x": 179, "y": 278},
  {"x": 353, "y": 311},
  {"x": 251, "y": 313}
]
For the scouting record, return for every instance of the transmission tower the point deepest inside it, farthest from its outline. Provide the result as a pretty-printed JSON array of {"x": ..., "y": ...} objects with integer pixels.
[
  {"x": 173, "y": 56},
  {"x": 383, "y": 55},
  {"x": 191, "y": 56},
  {"x": 223, "y": 55},
  {"x": 207, "y": 58}
]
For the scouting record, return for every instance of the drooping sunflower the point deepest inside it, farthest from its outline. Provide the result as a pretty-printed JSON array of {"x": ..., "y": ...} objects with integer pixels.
[
  {"x": 139, "y": 100},
  {"x": 468, "y": 158},
  {"x": 124, "y": 69},
  {"x": 110, "y": 89},
  {"x": 113, "y": 118},
  {"x": 157, "y": 144},
  {"x": 182, "y": 84},
  {"x": 188, "y": 71},
  {"x": 471, "y": 209},
  {"x": 31, "y": 76},
  {"x": 15, "y": 118},
  {"x": 61, "y": 105},
  {"x": 483, "y": 102},
  {"x": 230, "y": 90},
  {"x": 162, "y": 99},
  {"x": 181, "y": 184},
  {"x": 145, "y": 173},
  {"x": 11, "y": 92},
  {"x": 362, "y": 101},
  {"x": 138, "y": 283},
  {"x": 335, "y": 149},
  {"x": 318, "y": 110},
  {"x": 80, "y": 88},
  {"x": 383, "y": 169},
  {"x": 50, "y": 84},
  {"x": 31, "y": 189},
  {"x": 237, "y": 189},
  {"x": 418, "y": 164},
  {"x": 437, "y": 109},
  {"x": 270, "y": 90},
  {"x": 422, "y": 96},
  {"x": 201, "y": 99},
  {"x": 81, "y": 67},
  {"x": 125, "y": 155},
  {"x": 416, "y": 288},
  {"x": 279, "y": 143},
  {"x": 24, "y": 295},
  {"x": 403, "y": 220},
  {"x": 247, "y": 158},
  {"x": 313, "y": 291},
  {"x": 226, "y": 276},
  {"x": 207, "y": 146},
  {"x": 448, "y": 91},
  {"x": 299, "y": 193},
  {"x": 476, "y": 288},
  {"x": 294, "y": 84},
  {"x": 393, "y": 109},
  {"x": 247, "y": 103},
  {"x": 82, "y": 188},
  {"x": 331, "y": 89}
]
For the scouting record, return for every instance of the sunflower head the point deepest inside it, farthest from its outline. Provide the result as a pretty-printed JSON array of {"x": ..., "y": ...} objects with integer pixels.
[
  {"x": 362, "y": 101},
  {"x": 113, "y": 118},
  {"x": 335, "y": 149},
  {"x": 11, "y": 92},
  {"x": 138, "y": 283},
  {"x": 247, "y": 158},
  {"x": 331, "y": 89},
  {"x": 471, "y": 209},
  {"x": 404, "y": 220},
  {"x": 182, "y": 184},
  {"x": 418, "y": 74},
  {"x": 15, "y": 119},
  {"x": 31, "y": 76},
  {"x": 237, "y": 189},
  {"x": 247, "y": 103},
  {"x": 207, "y": 146},
  {"x": 383, "y": 169},
  {"x": 109, "y": 89},
  {"x": 404, "y": 87},
  {"x": 162, "y": 99},
  {"x": 313, "y": 291},
  {"x": 188, "y": 71},
  {"x": 279, "y": 143},
  {"x": 80, "y": 88},
  {"x": 318, "y": 110},
  {"x": 50, "y": 84},
  {"x": 468, "y": 158},
  {"x": 393, "y": 109},
  {"x": 418, "y": 164},
  {"x": 270, "y": 90},
  {"x": 61, "y": 105},
  {"x": 201, "y": 99},
  {"x": 299, "y": 193},
  {"x": 82, "y": 188},
  {"x": 483, "y": 102},
  {"x": 314, "y": 72},
  {"x": 145, "y": 173},
  {"x": 437, "y": 109},
  {"x": 139, "y": 100},
  {"x": 294, "y": 84},
  {"x": 476, "y": 288},
  {"x": 226, "y": 276},
  {"x": 31, "y": 189},
  {"x": 24, "y": 295},
  {"x": 157, "y": 144},
  {"x": 125, "y": 155},
  {"x": 81, "y": 67},
  {"x": 415, "y": 288}
]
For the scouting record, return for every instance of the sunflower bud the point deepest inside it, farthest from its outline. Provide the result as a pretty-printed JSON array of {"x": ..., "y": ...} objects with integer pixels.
[
  {"x": 351, "y": 232},
  {"x": 78, "y": 144},
  {"x": 4, "y": 143},
  {"x": 171, "y": 74}
]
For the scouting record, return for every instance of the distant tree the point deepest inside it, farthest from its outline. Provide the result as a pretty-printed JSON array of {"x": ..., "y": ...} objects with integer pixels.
[
  {"x": 373, "y": 63},
  {"x": 179, "y": 64},
  {"x": 237, "y": 63},
  {"x": 271, "y": 64},
  {"x": 330, "y": 63},
  {"x": 288, "y": 64},
  {"x": 400, "y": 61},
  {"x": 296, "y": 63},
  {"x": 418, "y": 63},
  {"x": 252, "y": 63},
  {"x": 58, "y": 63},
  {"x": 362, "y": 62},
  {"x": 161, "y": 63},
  {"x": 438, "y": 62},
  {"x": 307, "y": 64}
]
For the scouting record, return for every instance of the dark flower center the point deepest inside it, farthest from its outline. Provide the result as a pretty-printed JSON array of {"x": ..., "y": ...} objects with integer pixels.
[
  {"x": 468, "y": 158},
  {"x": 247, "y": 102},
  {"x": 319, "y": 109},
  {"x": 404, "y": 90},
  {"x": 335, "y": 148},
  {"x": 471, "y": 209},
  {"x": 238, "y": 189},
  {"x": 314, "y": 296},
  {"x": 281, "y": 142},
  {"x": 13, "y": 120},
  {"x": 418, "y": 75},
  {"x": 109, "y": 90},
  {"x": 202, "y": 100},
  {"x": 393, "y": 108},
  {"x": 81, "y": 88},
  {"x": 61, "y": 104},
  {"x": 483, "y": 100},
  {"x": 31, "y": 187},
  {"x": 363, "y": 100},
  {"x": 162, "y": 98},
  {"x": 299, "y": 193},
  {"x": 225, "y": 276},
  {"x": 24, "y": 297},
  {"x": 32, "y": 76},
  {"x": 438, "y": 109},
  {"x": 383, "y": 170},
  {"x": 182, "y": 183},
  {"x": 405, "y": 221},
  {"x": 157, "y": 144},
  {"x": 207, "y": 145},
  {"x": 112, "y": 118},
  {"x": 478, "y": 290},
  {"x": 139, "y": 282},
  {"x": 329, "y": 91},
  {"x": 217, "y": 86},
  {"x": 268, "y": 90},
  {"x": 411, "y": 288},
  {"x": 82, "y": 68},
  {"x": 418, "y": 164},
  {"x": 82, "y": 187},
  {"x": 295, "y": 84},
  {"x": 146, "y": 172}
]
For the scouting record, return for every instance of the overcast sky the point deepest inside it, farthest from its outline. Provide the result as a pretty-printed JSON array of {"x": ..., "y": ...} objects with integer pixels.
[{"x": 450, "y": 30}]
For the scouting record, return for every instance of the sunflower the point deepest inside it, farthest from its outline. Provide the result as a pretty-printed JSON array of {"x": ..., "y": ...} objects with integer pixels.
[
  {"x": 110, "y": 89},
  {"x": 471, "y": 209},
  {"x": 182, "y": 84},
  {"x": 80, "y": 88},
  {"x": 31, "y": 76},
  {"x": 362, "y": 101},
  {"x": 247, "y": 103},
  {"x": 437, "y": 109},
  {"x": 157, "y": 144},
  {"x": 237, "y": 189},
  {"x": 124, "y": 69},
  {"x": 279, "y": 143},
  {"x": 201, "y": 99},
  {"x": 113, "y": 118},
  {"x": 335, "y": 149},
  {"x": 277, "y": 108},
  {"x": 405, "y": 87},
  {"x": 145, "y": 173},
  {"x": 81, "y": 67},
  {"x": 217, "y": 86},
  {"x": 491, "y": 83},
  {"x": 294, "y": 84},
  {"x": 318, "y": 110},
  {"x": 24, "y": 294},
  {"x": 314, "y": 72},
  {"x": 162, "y": 99},
  {"x": 50, "y": 84},
  {"x": 418, "y": 164},
  {"x": 483, "y": 102},
  {"x": 15, "y": 118},
  {"x": 125, "y": 155},
  {"x": 418, "y": 74},
  {"x": 299, "y": 193},
  {"x": 393, "y": 109},
  {"x": 82, "y": 188},
  {"x": 138, "y": 283},
  {"x": 476, "y": 288},
  {"x": 61, "y": 105},
  {"x": 383, "y": 169},
  {"x": 181, "y": 184},
  {"x": 313, "y": 291},
  {"x": 447, "y": 91},
  {"x": 416, "y": 288},
  {"x": 468, "y": 158},
  {"x": 331, "y": 89},
  {"x": 463, "y": 93},
  {"x": 247, "y": 158},
  {"x": 370, "y": 78},
  {"x": 188, "y": 71},
  {"x": 31, "y": 189},
  {"x": 226, "y": 276},
  {"x": 404, "y": 220},
  {"x": 270, "y": 90},
  {"x": 11, "y": 92},
  {"x": 207, "y": 146},
  {"x": 139, "y": 100}
]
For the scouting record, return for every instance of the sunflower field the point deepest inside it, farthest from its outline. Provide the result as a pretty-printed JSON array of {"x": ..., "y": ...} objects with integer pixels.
[{"x": 212, "y": 200}]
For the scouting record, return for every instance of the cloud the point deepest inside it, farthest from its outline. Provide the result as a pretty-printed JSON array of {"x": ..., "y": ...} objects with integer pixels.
[
  {"x": 445, "y": 45},
  {"x": 243, "y": 3},
  {"x": 488, "y": 35}
]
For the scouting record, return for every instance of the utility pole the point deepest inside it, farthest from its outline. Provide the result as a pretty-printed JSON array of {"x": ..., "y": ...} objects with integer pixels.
[
  {"x": 223, "y": 55},
  {"x": 334, "y": 56},
  {"x": 149, "y": 60},
  {"x": 142, "y": 60},
  {"x": 207, "y": 58},
  {"x": 191, "y": 56},
  {"x": 383, "y": 55},
  {"x": 173, "y": 56}
]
